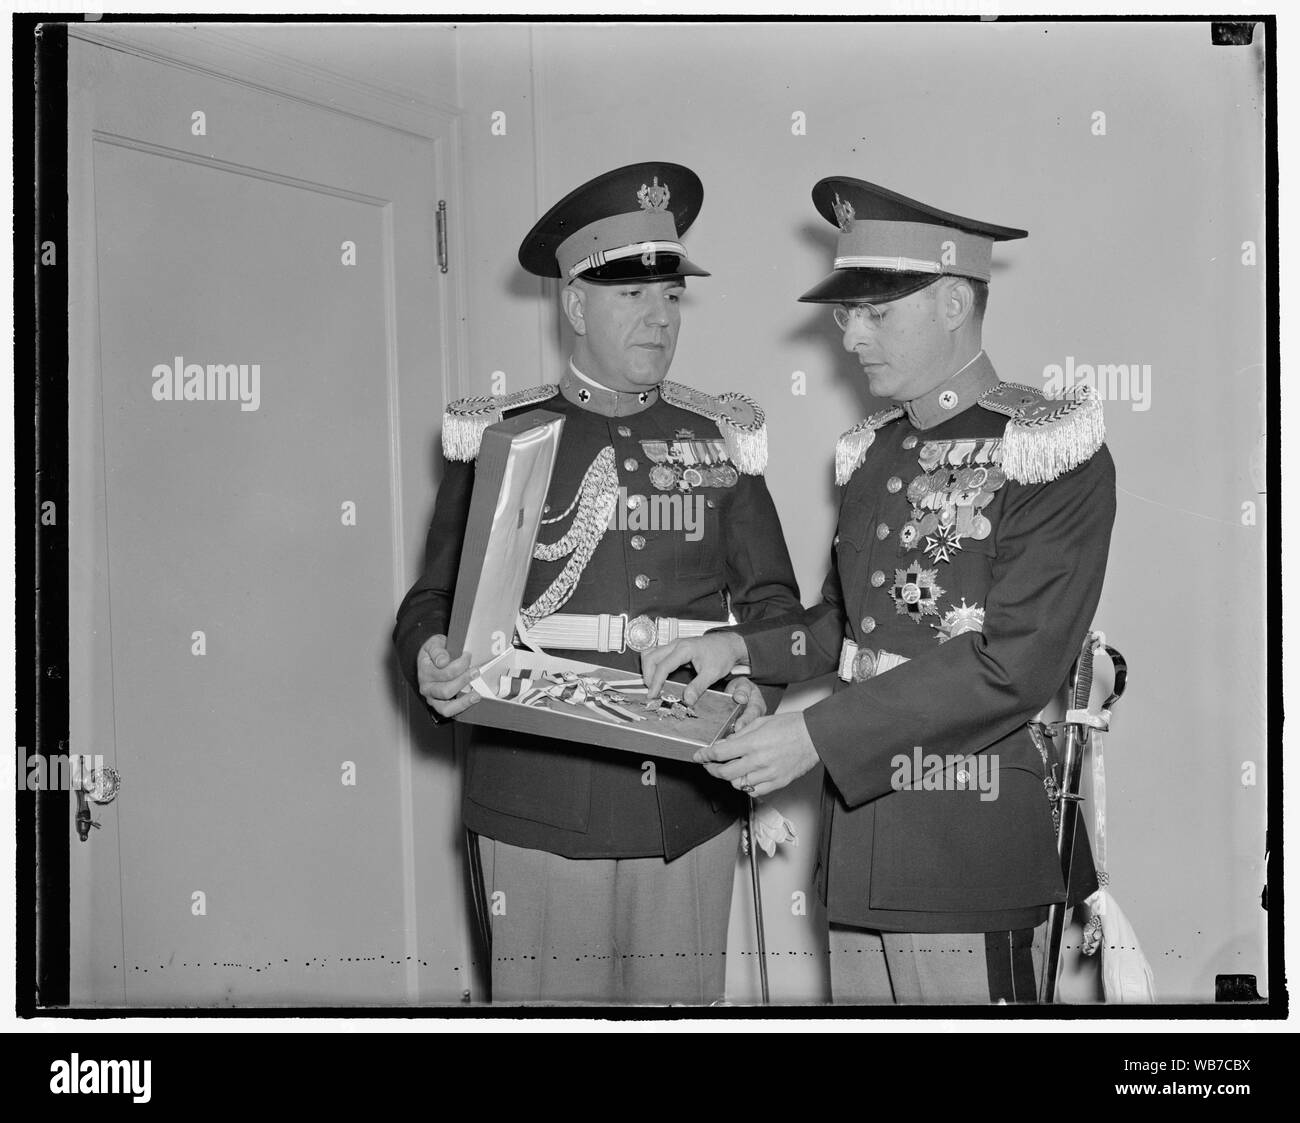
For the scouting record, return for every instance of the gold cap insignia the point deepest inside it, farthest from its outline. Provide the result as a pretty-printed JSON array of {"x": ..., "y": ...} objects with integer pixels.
[
  {"x": 843, "y": 213},
  {"x": 653, "y": 198}
]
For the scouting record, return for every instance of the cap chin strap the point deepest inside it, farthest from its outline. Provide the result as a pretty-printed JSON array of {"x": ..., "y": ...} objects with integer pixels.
[{"x": 638, "y": 249}]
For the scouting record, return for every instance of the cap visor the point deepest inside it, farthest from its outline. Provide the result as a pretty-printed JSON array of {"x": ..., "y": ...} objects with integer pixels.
[
  {"x": 866, "y": 286},
  {"x": 660, "y": 267}
]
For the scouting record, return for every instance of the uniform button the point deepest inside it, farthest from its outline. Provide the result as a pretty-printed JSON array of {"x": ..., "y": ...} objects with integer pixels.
[
  {"x": 894, "y": 484},
  {"x": 909, "y": 442},
  {"x": 963, "y": 777},
  {"x": 638, "y": 541},
  {"x": 630, "y": 464},
  {"x": 837, "y": 541},
  {"x": 546, "y": 510},
  {"x": 868, "y": 625},
  {"x": 634, "y": 501},
  {"x": 882, "y": 531},
  {"x": 878, "y": 578},
  {"x": 624, "y": 431},
  {"x": 642, "y": 581},
  {"x": 710, "y": 504},
  {"x": 948, "y": 399}
]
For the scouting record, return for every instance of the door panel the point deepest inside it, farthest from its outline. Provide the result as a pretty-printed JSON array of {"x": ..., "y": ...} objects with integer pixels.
[{"x": 263, "y": 848}]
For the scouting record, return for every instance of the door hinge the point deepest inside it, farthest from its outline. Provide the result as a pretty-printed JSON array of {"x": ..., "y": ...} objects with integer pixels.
[{"x": 442, "y": 234}]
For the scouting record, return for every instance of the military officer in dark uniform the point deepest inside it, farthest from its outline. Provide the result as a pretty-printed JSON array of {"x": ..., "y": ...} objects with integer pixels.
[
  {"x": 974, "y": 525},
  {"x": 607, "y": 877}
]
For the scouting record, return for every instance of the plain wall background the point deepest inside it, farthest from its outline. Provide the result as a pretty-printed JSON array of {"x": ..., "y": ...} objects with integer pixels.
[{"x": 1134, "y": 256}]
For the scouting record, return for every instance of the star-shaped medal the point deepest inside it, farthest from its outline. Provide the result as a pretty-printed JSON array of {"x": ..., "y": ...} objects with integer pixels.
[
  {"x": 942, "y": 544},
  {"x": 916, "y": 592},
  {"x": 964, "y": 618}
]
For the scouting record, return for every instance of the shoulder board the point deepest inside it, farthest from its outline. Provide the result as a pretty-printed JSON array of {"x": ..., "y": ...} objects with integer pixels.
[
  {"x": 739, "y": 419},
  {"x": 1045, "y": 437},
  {"x": 851, "y": 448},
  {"x": 466, "y": 418}
]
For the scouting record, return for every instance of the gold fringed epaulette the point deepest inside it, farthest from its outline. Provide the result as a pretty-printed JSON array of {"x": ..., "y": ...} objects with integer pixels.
[
  {"x": 739, "y": 419},
  {"x": 466, "y": 418},
  {"x": 851, "y": 448},
  {"x": 1045, "y": 436}
]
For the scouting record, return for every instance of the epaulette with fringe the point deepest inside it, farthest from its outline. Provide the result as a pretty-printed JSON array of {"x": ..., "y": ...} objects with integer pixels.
[
  {"x": 851, "y": 448},
  {"x": 1045, "y": 436},
  {"x": 466, "y": 418},
  {"x": 739, "y": 419}
]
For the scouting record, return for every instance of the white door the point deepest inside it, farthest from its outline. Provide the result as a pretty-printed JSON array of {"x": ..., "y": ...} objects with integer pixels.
[{"x": 286, "y": 828}]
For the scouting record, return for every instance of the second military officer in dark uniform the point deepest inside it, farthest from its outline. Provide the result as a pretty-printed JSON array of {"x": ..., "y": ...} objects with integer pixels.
[
  {"x": 606, "y": 877},
  {"x": 974, "y": 524}
]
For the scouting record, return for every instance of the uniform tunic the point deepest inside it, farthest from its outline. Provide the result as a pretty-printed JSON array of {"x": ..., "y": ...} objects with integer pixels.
[
  {"x": 569, "y": 799},
  {"x": 904, "y": 859}
]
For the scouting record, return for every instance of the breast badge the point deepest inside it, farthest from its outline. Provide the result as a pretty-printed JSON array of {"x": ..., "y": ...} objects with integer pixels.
[
  {"x": 916, "y": 592},
  {"x": 964, "y": 618}
]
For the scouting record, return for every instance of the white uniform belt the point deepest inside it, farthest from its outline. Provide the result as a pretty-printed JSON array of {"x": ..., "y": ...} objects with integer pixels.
[
  {"x": 574, "y": 631},
  {"x": 857, "y": 664}
]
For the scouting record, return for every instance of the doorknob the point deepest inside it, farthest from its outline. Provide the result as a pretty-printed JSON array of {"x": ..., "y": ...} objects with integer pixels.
[{"x": 99, "y": 785}]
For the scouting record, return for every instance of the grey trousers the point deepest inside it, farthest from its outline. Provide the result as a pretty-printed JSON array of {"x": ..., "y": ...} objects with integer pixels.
[
  {"x": 610, "y": 930},
  {"x": 874, "y": 968}
]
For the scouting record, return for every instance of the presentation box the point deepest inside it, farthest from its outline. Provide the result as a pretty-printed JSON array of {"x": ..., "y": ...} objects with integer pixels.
[{"x": 528, "y": 689}]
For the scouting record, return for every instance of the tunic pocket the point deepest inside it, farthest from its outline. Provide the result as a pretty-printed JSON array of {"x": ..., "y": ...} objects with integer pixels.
[{"x": 697, "y": 535}]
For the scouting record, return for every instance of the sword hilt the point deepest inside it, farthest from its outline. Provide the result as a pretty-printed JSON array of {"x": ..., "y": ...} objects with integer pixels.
[{"x": 1083, "y": 679}]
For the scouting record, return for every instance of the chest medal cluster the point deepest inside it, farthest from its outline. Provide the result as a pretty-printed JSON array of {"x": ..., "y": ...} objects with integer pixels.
[
  {"x": 687, "y": 462},
  {"x": 958, "y": 480}
]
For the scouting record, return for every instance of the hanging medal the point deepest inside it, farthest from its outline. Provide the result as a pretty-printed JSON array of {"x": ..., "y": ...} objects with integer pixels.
[{"x": 943, "y": 544}]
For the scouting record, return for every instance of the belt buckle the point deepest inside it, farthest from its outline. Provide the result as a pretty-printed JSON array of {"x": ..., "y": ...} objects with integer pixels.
[
  {"x": 640, "y": 634},
  {"x": 864, "y": 665}
]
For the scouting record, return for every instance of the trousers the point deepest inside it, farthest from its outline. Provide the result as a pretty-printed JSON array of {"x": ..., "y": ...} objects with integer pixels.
[
  {"x": 874, "y": 968},
  {"x": 616, "y": 930}
]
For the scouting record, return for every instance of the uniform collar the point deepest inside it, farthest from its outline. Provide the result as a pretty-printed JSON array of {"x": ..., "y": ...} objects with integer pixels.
[
  {"x": 954, "y": 394},
  {"x": 587, "y": 393}
]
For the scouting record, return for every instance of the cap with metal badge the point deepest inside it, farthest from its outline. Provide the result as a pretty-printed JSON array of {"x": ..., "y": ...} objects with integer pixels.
[
  {"x": 890, "y": 246},
  {"x": 625, "y": 225}
]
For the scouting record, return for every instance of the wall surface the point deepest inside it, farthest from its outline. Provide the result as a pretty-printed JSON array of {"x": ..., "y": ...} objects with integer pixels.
[{"x": 1137, "y": 222}]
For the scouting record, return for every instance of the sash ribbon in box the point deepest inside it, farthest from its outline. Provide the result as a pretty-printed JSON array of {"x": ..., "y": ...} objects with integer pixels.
[{"x": 536, "y": 688}]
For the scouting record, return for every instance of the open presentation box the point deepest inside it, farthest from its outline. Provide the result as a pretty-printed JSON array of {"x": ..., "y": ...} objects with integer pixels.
[{"x": 531, "y": 690}]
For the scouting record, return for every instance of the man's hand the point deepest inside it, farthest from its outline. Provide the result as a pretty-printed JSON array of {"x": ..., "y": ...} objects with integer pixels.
[
  {"x": 745, "y": 692},
  {"x": 771, "y": 753},
  {"x": 711, "y": 655},
  {"x": 442, "y": 678}
]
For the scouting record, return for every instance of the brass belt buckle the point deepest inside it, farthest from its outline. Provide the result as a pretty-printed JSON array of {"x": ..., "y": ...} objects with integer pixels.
[
  {"x": 864, "y": 665},
  {"x": 640, "y": 634}
]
